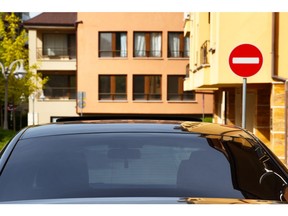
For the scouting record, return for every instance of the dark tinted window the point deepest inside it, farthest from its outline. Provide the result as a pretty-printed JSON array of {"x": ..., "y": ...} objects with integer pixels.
[{"x": 122, "y": 164}]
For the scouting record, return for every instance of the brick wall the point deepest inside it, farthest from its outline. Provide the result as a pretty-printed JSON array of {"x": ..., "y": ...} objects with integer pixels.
[{"x": 277, "y": 132}]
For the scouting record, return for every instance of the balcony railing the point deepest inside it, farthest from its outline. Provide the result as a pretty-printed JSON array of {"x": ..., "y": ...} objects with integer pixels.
[
  {"x": 204, "y": 51},
  {"x": 142, "y": 96},
  {"x": 61, "y": 93},
  {"x": 178, "y": 54},
  {"x": 109, "y": 96},
  {"x": 56, "y": 53},
  {"x": 147, "y": 53},
  {"x": 113, "y": 53},
  {"x": 181, "y": 97}
]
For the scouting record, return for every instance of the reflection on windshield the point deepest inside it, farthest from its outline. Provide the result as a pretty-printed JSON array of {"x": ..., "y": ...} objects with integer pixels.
[{"x": 135, "y": 165}]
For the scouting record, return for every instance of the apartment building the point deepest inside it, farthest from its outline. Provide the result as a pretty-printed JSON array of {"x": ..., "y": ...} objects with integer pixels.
[
  {"x": 52, "y": 48},
  {"x": 135, "y": 63},
  {"x": 111, "y": 63},
  {"x": 212, "y": 38}
]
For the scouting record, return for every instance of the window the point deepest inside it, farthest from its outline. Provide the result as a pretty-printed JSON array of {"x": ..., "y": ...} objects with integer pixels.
[
  {"x": 147, "y": 44},
  {"x": 146, "y": 87},
  {"x": 59, "y": 45},
  {"x": 175, "y": 89},
  {"x": 128, "y": 165},
  {"x": 178, "y": 45},
  {"x": 112, "y": 87},
  {"x": 113, "y": 44},
  {"x": 60, "y": 85}
]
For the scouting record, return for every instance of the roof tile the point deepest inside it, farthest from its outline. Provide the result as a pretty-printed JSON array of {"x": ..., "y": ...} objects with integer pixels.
[{"x": 53, "y": 19}]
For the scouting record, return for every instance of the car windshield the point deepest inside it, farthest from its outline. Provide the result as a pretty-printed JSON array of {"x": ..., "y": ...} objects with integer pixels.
[{"x": 133, "y": 165}]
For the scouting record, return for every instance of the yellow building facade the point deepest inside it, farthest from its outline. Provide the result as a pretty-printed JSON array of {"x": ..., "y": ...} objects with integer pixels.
[{"x": 213, "y": 36}]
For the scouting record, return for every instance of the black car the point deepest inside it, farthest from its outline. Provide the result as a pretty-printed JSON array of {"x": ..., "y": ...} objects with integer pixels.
[{"x": 139, "y": 161}]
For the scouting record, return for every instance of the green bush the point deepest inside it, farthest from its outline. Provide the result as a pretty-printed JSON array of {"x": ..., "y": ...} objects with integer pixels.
[
  {"x": 208, "y": 119},
  {"x": 5, "y": 136}
]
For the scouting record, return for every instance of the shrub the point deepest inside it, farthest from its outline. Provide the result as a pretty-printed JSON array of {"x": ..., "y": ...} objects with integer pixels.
[{"x": 5, "y": 136}]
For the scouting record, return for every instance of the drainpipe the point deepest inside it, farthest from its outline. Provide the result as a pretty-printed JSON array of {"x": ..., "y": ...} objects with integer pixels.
[
  {"x": 275, "y": 77},
  {"x": 273, "y": 72},
  {"x": 76, "y": 28}
]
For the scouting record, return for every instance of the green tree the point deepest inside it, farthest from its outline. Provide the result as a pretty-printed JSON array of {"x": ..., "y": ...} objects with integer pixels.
[{"x": 13, "y": 46}]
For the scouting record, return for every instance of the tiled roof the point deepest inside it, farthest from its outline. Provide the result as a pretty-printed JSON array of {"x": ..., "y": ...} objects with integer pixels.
[{"x": 52, "y": 19}]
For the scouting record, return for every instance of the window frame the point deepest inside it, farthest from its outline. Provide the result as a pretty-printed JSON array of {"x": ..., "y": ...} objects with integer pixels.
[
  {"x": 147, "y": 95},
  {"x": 112, "y": 95},
  {"x": 182, "y": 40},
  {"x": 181, "y": 95},
  {"x": 148, "y": 38},
  {"x": 69, "y": 50},
  {"x": 69, "y": 91},
  {"x": 114, "y": 44}
]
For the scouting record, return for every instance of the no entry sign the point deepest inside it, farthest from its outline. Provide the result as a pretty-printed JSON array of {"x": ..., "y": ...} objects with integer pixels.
[{"x": 245, "y": 60}]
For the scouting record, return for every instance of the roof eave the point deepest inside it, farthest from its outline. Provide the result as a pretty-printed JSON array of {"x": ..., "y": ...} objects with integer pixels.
[{"x": 49, "y": 27}]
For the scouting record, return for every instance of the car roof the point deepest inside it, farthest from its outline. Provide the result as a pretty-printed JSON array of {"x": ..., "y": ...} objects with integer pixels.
[{"x": 130, "y": 126}]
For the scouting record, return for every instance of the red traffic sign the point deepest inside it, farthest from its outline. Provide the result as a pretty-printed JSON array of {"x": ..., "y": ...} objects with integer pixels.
[{"x": 245, "y": 60}]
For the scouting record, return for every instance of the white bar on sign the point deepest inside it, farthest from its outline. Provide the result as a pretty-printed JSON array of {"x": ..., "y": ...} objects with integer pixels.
[{"x": 245, "y": 60}]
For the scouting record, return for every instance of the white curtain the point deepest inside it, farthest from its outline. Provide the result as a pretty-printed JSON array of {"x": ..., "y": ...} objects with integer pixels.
[
  {"x": 55, "y": 44},
  {"x": 174, "y": 44},
  {"x": 123, "y": 45},
  {"x": 155, "y": 45},
  {"x": 140, "y": 45}
]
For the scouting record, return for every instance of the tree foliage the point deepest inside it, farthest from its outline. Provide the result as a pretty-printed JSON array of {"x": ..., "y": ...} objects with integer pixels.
[{"x": 13, "y": 46}]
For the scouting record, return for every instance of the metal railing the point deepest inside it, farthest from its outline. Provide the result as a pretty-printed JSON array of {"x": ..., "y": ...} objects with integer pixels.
[
  {"x": 142, "y": 96},
  {"x": 60, "y": 93},
  {"x": 112, "y": 53},
  {"x": 147, "y": 53},
  {"x": 181, "y": 97},
  {"x": 178, "y": 54},
  {"x": 109, "y": 96},
  {"x": 204, "y": 51},
  {"x": 55, "y": 53}
]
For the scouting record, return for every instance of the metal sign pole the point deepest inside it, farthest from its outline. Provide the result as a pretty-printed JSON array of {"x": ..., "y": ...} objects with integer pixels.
[
  {"x": 244, "y": 103},
  {"x": 81, "y": 97}
]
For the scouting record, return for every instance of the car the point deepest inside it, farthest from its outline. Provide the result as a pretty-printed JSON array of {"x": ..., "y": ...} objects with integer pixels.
[{"x": 139, "y": 160}]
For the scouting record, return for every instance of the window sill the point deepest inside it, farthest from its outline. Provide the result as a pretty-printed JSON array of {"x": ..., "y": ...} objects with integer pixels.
[
  {"x": 181, "y": 101},
  {"x": 148, "y": 58},
  {"x": 178, "y": 58},
  {"x": 113, "y": 101},
  {"x": 56, "y": 99},
  {"x": 147, "y": 101},
  {"x": 112, "y": 58}
]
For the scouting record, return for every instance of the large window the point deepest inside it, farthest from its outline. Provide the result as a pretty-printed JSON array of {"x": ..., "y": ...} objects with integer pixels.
[
  {"x": 112, "y": 87},
  {"x": 147, "y": 87},
  {"x": 175, "y": 89},
  {"x": 59, "y": 45},
  {"x": 60, "y": 85},
  {"x": 178, "y": 45},
  {"x": 147, "y": 44},
  {"x": 113, "y": 44}
]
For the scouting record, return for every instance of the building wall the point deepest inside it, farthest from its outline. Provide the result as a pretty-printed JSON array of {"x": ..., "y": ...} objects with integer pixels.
[
  {"x": 89, "y": 65},
  {"x": 278, "y": 118},
  {"x": 41, "y": 111},
  {"x": 234, "y": 29},
  {"x": 265, "y": 99}
]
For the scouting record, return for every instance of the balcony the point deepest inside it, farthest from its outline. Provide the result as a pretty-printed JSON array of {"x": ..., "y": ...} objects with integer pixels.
[
  {"x": 60, "y": 93},
  {"x": 204, "y": 51},
  {"x": 56, "y": 53},
  {"x": 199, "y": 77}
]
